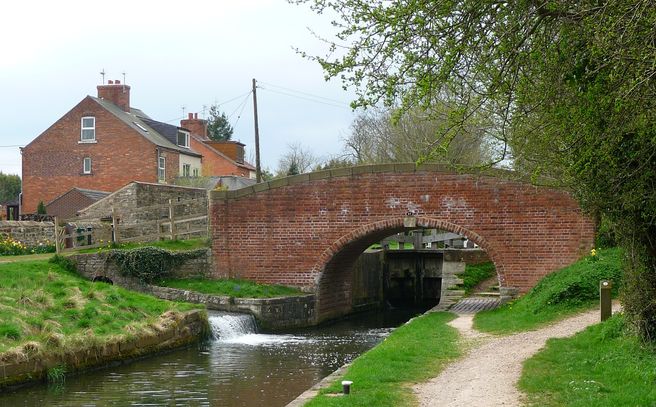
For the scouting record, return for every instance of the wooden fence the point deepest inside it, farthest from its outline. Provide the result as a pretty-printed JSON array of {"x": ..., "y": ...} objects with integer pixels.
[{"x": 174, "y": 220}]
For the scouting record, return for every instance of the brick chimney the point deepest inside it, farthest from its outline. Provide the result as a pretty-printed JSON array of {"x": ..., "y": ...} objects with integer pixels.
[
  {"x": 195, "y": 125},
  {"x": 117, "y": 93}
]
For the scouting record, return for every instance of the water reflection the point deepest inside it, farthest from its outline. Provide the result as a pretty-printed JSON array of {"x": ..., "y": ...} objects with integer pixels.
[{"x": 243, "y": 370}]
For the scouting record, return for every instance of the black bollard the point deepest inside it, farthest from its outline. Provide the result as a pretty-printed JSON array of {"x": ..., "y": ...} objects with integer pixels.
[{"x": 346, "y": 386}]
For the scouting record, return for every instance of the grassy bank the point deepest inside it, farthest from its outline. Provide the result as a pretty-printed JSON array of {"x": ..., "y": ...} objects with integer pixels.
[
  {"x": 475, "y": 274},
  {"x": 381, "y": 377},
  {"x": 51, "y": 308},
  {"x": 231, "y": 287},
  {"x": 605, "y": 365},
  {"x": 556, "y": 296}
]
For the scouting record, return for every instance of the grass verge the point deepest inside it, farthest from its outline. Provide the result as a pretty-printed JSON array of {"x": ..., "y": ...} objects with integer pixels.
[
  {"x": 556, "y": 296},
  {"x": 474, "y": 274},
  {"x": 46, "y": 305},
  {"x": 381, "y": 377},
  {"x": 605, "y": 365},
  {"x": 231, "y": 287}
]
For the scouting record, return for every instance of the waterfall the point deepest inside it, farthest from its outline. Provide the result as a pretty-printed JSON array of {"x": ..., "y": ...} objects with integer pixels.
[{"x": 230, "y": 326}]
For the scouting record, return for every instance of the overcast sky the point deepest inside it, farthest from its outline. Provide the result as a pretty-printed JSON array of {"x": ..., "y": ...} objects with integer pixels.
[{"x": 193, "y": 54}]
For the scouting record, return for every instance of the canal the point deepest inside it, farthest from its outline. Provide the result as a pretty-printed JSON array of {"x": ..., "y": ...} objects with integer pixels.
[{"x": 238, "y": 367}]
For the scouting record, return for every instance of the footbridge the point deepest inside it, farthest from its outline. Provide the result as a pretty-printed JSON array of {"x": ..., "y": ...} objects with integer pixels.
[{"x": 308, "y": 230}]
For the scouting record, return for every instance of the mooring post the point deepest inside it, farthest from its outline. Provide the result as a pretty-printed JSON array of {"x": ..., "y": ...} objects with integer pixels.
[
  {"x": 58, "y": 247},
  {"x": 346, "y": 386},
  {"x": 605, "y": 304}
]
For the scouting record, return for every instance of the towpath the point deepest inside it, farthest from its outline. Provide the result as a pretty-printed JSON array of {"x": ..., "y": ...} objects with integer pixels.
[{"x": 487, "y": 375}]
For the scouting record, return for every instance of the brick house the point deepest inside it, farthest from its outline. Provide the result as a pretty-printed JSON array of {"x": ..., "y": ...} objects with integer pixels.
[
  {"x": 219, "y": 157},
  {"x": 103, "y": 144},
  {"x": 65, "y": 206}
]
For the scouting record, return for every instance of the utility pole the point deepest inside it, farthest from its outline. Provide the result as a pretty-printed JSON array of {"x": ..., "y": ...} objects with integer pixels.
[{"x": 258, "y": 169}]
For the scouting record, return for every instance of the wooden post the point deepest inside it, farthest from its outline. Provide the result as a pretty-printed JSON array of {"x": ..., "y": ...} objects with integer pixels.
[
  {"x": 172, "y": 219},
  {"x": 57, "y": 243},
  {"x": 114, "y": 227},
  {"x": 605, "y": 304}
]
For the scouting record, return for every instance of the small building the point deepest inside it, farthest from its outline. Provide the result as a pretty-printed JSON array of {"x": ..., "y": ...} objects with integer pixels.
[{"x": 66, "y": 205}]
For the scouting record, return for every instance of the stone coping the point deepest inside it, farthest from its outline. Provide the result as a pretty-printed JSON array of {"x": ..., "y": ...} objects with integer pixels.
[{"x": 397, "y": 168}]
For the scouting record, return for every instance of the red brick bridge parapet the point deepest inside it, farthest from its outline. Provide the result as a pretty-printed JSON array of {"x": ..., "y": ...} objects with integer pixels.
[{"x": 307, "y": 230}]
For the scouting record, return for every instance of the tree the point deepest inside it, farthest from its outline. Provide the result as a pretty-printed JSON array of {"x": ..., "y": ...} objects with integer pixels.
[
  {"x": 568, "y": 87},
  {"x": 296, "y": 160},
  {"x": 10, "y": 187},
  {"x": 218, "y": 127},
  {"x": 377, "y": 137},
  {"x": 41, "y": 208}
]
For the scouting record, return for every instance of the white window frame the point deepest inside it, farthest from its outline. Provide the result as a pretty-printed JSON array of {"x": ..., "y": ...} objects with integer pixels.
[
  {"x": 87, "y": 128},
  {"x": 177, "y": 140},
  {"x": 186, "y": 170},
  {"x": 86, "y": 160},
  {"x": 196, "y": 172},
  {"x": 161, "y": 168}
]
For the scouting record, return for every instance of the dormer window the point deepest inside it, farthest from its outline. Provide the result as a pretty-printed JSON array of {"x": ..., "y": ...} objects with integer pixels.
[
  {"x": 88, "y": 132},
  {"x": 183, "y": 139}
]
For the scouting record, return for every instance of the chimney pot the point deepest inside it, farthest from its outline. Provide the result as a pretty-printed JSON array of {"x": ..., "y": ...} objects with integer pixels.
[
  {"x": 191, "y": 116},
  {"x": 117, "y": 82},
  {"x": 110, "y": 82},
  {"x": 195, "y": 115}
]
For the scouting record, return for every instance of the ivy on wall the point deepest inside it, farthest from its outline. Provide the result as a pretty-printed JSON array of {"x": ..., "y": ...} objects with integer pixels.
[{"x": 149, "y": 264}]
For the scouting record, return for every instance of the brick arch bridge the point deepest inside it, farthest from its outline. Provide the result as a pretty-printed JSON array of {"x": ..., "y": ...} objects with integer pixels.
[{"x": 307, "y": 230}]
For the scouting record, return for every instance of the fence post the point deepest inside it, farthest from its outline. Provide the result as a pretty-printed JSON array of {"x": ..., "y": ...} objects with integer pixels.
[
  {"x": 114, "y": 227},
  {"x": 605, "y": 303},
  {"x": 172, "y": 219},
  {"x": 57, "y": 244}
]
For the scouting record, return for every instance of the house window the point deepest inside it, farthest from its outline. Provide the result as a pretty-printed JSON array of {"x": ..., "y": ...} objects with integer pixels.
[
  {"x": 161, "y": 169},
  {"x": 183, "y": 139},
  {"x": 186, "y": 170},
  {"x": 86, "y": 165},
  {"x": 88, "y": 133},
  {"x": 195, "y": 172}
]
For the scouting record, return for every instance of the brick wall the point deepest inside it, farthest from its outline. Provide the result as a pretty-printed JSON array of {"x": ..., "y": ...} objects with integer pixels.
[
  {"x": 309, "y": 229},
  {"x": 52, "y": 163}
]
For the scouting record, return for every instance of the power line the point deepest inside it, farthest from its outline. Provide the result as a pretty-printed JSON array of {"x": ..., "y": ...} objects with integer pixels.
[
  {"x": 216, "y": 104},
  {"x": 342, "y": 106},
  {"x": 12, "y": 146},
  {"x": 340, "y": 102}
]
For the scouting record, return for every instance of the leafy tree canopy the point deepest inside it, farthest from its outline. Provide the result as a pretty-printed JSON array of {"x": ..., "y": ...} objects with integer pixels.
[
  {"x": 218, "y": 127},
  {"x": 10, "y": 187},
  {"x": 568, "y": 87}
]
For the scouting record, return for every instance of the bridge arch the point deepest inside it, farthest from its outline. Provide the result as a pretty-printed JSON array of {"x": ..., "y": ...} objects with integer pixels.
[
  {"x": 297, "y": 229},
  {"x": 335, "y": 265}
]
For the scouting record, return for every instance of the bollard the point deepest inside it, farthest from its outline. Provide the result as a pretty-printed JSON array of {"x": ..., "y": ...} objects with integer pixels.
[
  {"x": 604, "y": 299},
  {"x": 346, "y": 386}
]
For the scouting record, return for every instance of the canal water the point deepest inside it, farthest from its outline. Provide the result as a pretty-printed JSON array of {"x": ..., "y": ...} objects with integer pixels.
[{"x": 238, "y": 367}]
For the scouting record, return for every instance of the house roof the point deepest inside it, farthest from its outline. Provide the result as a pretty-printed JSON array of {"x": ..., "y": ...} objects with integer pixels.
[
  {"x": 89, "y": 193},
  {"x": 245, "y": 164},
  {"x": 158, "y": 133}
]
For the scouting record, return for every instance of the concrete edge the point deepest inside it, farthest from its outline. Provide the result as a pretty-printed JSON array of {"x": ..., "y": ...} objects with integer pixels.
[{"x": 313, "y": 391}]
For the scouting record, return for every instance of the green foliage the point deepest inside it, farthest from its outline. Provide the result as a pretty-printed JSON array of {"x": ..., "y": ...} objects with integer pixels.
[
  {"x": 150, "y": 263},
  {"x": 557, "y": 295},
  {"x": 57, "y": 374},
  {"x": 293, "y": 169},
  {"x": 10, "y": 187},
  {"x": 231, "y": 287},
  {"x": 218, "y": 127},
  {"x": 474, "y": 274},
  {"x": 41, "y": 208},
  {"x": 382, "y": 376},
  {"x": 44, "y": 303},
  {"x": 174, "y": 245},
  {"x": 605, "y": 365},
  {"x": 64, "y": 262}
]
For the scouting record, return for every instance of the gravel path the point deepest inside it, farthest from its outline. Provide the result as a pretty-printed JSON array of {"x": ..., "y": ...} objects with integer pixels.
[{"x": 487, "y": 375}]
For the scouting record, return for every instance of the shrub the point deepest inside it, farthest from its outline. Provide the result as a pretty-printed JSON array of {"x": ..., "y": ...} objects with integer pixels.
[{"x": 150, "y": 263}]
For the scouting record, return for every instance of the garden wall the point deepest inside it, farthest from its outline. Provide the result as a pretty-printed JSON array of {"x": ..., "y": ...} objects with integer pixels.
[{"x": 30, "y": 233}]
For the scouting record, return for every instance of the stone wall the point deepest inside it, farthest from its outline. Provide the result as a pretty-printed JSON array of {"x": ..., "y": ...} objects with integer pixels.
[
  {"x": 140, "y": 206},
  {"x": 467, "y": 256},
  {"x": 271, "y": 313},
  {"x": 29, "y": 233},
  {"x": 175, "y": 329}
]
